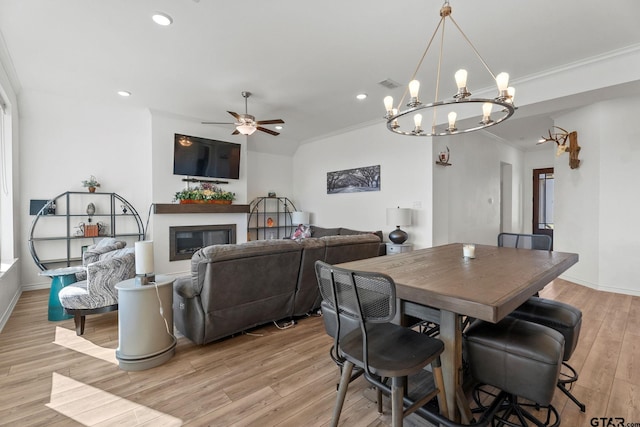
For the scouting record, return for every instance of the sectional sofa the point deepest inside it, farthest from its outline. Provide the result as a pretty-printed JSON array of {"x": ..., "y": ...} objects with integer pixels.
[{"x": 235, "y": 287}]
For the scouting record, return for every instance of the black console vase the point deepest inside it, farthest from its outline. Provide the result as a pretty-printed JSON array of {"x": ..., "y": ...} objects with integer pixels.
[{"x": 398, "y": 236}]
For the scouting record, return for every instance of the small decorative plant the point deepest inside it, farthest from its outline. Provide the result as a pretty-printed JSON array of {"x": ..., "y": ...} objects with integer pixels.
[
  {"x": 91, "y": 183},
  {"x": 204, "y": 193}
]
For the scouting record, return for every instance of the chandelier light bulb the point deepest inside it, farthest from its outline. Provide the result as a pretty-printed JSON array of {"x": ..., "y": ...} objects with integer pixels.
[
  {"x": 461, "y": 78},
  {"x": 452, "y": 121},
  {"x": 486, "y": 113},
  {"x": 502, "y": 80},
  {"x": 395, "y": 123},
  {"x": 388, "y": 104},
  {"x": 512, "y": 93},
  {"x": 417, "y": 120},
  {"x": 486, "y": 109},
  {"x": 414, "y": 88}
]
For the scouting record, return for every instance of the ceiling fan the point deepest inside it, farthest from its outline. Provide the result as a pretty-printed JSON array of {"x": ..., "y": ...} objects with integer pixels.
[{"x": 246, "y": 123}]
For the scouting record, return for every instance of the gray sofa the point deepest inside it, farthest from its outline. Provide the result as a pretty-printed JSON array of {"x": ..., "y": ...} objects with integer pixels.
[{"x": 236, "y": 287}]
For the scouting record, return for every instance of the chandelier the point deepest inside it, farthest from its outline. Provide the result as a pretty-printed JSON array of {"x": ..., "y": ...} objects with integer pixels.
[{"x": 492, "y": 110}]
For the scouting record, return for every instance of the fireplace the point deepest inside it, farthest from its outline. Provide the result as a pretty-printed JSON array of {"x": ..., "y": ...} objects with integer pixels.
[{"x": 186, "y": 240}]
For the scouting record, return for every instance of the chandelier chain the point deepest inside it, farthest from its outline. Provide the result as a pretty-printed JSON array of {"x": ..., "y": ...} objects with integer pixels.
[
  {"x": 473, "y": 47},
  {"x": 424, "y": 54},
  {"x": 433, "y": 123}
]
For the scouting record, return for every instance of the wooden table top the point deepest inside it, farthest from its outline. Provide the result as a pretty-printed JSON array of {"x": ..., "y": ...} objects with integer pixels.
[{"x": 488, "y": 287}]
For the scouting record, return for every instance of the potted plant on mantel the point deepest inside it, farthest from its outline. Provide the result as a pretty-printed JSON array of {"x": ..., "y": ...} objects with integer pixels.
[
  {"x": 205, "y": 193},
  {"x": 91, "y": 183}
]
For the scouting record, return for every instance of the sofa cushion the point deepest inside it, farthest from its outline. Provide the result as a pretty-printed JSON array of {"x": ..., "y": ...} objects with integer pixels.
[
  {"x": 322, "y": 232},
  {"x": 349, "y": 232}
]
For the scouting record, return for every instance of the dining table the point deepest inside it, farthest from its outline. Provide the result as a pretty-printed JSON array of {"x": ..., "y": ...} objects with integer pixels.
[{"x": 441, "y": 282}]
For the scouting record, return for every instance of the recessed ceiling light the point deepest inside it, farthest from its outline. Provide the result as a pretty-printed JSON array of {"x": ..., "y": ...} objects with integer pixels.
[
  {"x": 124, "y": 93},
  {"x": 278, "y": 127},
  {"x": 161, "y": 18},
  {"x": 361, "y": 96}
]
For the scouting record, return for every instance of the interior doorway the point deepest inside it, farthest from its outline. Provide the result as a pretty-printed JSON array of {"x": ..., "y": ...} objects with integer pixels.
[{"x": 543, "y": 189}]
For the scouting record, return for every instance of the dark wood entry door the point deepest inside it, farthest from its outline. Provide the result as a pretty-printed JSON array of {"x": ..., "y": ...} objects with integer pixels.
[{"x": 543, "y": 197}]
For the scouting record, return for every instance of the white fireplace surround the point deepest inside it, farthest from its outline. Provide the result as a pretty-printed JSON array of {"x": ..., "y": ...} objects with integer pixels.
[{"x": 161, "y": 224}]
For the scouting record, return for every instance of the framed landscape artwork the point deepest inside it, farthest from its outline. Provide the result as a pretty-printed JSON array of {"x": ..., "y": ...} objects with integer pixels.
[{"x": 354, "y": 180}]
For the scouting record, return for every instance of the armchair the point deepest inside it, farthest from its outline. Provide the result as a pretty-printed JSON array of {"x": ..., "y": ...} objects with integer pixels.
[
  {"x": 95, "y": 252},
  {"x": 97, "y": 294}
]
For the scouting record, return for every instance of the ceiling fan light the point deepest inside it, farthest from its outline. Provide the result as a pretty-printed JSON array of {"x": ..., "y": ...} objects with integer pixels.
[
  {"x": 162, "y": 19},
  {"x": 246, "y": 129}
]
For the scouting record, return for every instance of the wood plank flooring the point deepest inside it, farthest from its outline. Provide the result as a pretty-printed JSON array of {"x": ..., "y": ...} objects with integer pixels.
[{"x": 51, "y": 377}]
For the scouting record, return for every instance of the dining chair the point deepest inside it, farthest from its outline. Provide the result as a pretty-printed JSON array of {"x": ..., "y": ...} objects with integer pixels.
[
  {"x": 525, "y": 241},
  {"x": 522, "y": 360},
  {"x": 381, "y": 349},
  {"x": 562, "y": 317}
]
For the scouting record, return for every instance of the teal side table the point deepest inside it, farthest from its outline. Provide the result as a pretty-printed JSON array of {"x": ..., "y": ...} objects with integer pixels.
[{"x": 60, "y": 277}]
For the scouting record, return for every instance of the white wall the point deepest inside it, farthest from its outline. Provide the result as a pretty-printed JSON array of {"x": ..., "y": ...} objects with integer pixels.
[
  {"x": 466, "y": 195},
  {"x": 405, "y": 169},
  {"x": 64, "y": 141},
  {"x": 597, "y": 205},
  {"x": 270, "y": 172}
]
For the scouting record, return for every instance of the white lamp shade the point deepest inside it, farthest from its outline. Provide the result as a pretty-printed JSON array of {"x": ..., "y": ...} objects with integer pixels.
[
  {"x": 144, "y": 257},
  {"x": 398, "y": 216},
  {"x": 298, "y": 218}
]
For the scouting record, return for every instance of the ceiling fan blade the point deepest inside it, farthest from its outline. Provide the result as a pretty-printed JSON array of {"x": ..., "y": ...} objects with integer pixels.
[
  {"x": 270, "y": 122},
  {"x": 217, "y": 123},
  {"x": 272, "y": 132},
  {"x": 237, "y": 117},
  {"x": 235, "y": 132}
]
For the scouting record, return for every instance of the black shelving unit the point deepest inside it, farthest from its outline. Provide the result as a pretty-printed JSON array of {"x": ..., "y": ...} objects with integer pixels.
[
  {"x": 55, "y": 229},
  {"x": 270, "y": 218}
]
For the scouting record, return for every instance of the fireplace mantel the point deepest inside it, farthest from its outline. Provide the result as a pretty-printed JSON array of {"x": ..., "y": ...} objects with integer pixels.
[{"x": 174, "y": 208}]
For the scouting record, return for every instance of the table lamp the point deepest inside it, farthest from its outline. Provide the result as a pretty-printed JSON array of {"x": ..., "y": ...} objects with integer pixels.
[
  {"x": 144, "y": 262},
  {"x": 398, "y": 217},
  {"x": 298, "y": 218}
]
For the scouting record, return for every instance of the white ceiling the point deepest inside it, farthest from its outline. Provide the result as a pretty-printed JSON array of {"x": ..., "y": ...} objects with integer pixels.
[{"x": 304, "y": 61}]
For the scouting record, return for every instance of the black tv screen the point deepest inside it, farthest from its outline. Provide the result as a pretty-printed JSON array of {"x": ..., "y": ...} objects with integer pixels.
[{"x": 194, "y": 156}]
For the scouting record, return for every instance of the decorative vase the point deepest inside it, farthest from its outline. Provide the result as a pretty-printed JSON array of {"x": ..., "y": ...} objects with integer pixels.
[
  {"x": 92, "y": 189},
  {"x": 186, "y": 201},
  {"x": 220, "y": 202}
]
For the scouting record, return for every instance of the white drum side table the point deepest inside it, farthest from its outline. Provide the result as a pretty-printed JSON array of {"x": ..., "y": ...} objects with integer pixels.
[{"x": 144, "y": 339}]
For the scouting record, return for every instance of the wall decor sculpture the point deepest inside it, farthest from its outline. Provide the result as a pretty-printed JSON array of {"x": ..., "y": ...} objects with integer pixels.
[{"x": 560, "y": 138}]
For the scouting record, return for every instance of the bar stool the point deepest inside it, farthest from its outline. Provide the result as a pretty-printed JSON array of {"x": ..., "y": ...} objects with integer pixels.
[
  {"x": 382, "y": 350},
  {"x": 565, "y": 319},
  {"x": 522, "y": 360}
]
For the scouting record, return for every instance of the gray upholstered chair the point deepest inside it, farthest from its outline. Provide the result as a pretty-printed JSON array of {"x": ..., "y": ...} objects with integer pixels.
[
  {"x": 562, "y": 317},
  {"x": 381, "y": 349},
  {"x": 525, "y": 241},
  {"x": 97, "y": 294},
  {"x": 521, "y": 359}
]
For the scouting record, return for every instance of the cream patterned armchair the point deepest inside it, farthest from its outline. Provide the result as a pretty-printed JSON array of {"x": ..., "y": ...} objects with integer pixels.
[{"x": 97, "y": 294}]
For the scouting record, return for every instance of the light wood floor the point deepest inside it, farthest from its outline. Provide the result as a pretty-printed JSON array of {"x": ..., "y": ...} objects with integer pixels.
[{"x": 48, "y": 376}]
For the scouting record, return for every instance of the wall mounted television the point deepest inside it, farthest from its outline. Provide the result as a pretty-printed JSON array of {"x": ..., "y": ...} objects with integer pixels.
[{"x": 202, "y": 157}]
